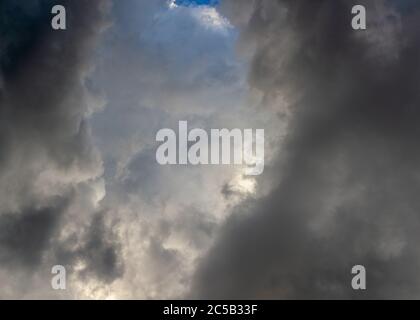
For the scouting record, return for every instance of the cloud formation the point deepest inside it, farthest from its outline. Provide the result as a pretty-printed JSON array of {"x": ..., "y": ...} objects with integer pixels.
[
  {"x": 47, "y": 155},
  {"x": 348, "y": 172},
  {"x": 169, "y": 64},
  {"x": 80, "y": 185}
]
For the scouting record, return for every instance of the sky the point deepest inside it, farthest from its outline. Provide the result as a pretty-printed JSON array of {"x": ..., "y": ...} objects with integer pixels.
[
  {"x": 197, "y": 2},
  {"x": 80, "y": 185}
]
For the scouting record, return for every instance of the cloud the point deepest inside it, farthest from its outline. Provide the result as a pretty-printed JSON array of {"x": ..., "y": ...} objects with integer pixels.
[
  {"x": 97, "y": 253},
  {"x": 47, "y": 153},
  {"x": 348, "y": 171},
  {"x": 80, "y": 186},
  {"x": 167, "y": 64},
  {"x": 79, "y": 112},
  {"x": 44, "y": 100},
  {"x": 25, "y": 236}
]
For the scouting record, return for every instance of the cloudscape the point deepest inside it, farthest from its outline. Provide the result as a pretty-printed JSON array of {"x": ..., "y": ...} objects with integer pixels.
[{"x": 165, "y": 149}]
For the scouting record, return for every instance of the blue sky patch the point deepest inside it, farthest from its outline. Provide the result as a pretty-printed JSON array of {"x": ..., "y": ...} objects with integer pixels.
[{"x": 197, "y": 2}]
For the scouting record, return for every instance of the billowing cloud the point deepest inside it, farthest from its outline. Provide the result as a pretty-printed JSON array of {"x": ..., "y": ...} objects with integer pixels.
[
  {"x": 169, "y": 64},
  {"x": 25, "y": 236},
  {"x": 47, "y": 155},
  {"x": 79, "y": 181},
  {"x": 348, "y": 172}
]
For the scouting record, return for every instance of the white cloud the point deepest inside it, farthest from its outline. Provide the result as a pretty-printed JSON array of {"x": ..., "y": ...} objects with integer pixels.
[{"x": 177, "y": 63}]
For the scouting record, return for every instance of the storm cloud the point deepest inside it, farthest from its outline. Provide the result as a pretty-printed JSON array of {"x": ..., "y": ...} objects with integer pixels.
[
  {"x": 348, "y": 172},
  {"x": 47, "y": 155},
  {"x": 79, "y": 181}
]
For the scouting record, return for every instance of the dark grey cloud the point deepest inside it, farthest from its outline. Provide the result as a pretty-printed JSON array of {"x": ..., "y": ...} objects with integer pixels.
[
  {"x": 347, "y": 178},
  {"x": 43, "y": 99},
  {"x": 97, "y": 248},
  {"x": 43, "y": 94},
  {"x": 101, "y": 251},
  {"x": 25, "y": 236},
  {"x": 349, "y": 171},
  {"x": 46, "y": 150}
]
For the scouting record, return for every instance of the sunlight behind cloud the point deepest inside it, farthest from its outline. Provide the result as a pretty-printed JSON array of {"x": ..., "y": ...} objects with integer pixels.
[
  {"x": 211, "y": 18},
  {"x": 205, "y": 13}
]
